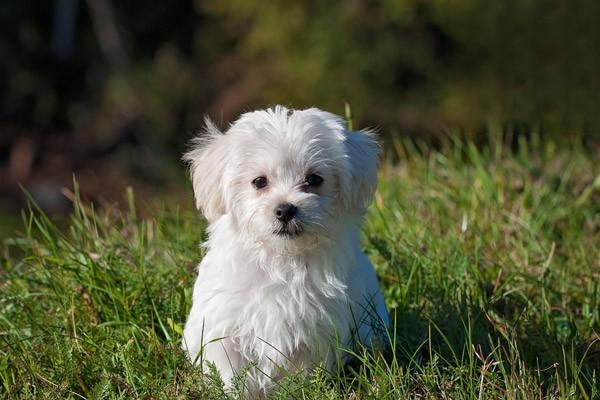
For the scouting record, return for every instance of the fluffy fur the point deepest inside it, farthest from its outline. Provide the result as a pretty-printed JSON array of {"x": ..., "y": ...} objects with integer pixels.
[{"x": 274, "y": 297}]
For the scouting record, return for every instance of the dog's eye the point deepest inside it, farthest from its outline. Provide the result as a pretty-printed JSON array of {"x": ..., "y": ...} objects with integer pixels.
[
  {"x": 314, "y": 180},
  {"x": 260, "y": 182}
]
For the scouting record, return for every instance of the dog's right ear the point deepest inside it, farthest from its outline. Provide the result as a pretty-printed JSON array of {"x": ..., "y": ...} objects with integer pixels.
[{"x": 207, "y": 160}]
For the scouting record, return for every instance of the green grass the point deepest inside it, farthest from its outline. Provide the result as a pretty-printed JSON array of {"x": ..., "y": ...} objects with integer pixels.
[{"x": 489, "y": 260}]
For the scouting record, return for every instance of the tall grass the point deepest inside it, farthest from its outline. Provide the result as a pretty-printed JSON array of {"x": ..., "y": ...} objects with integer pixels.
[{"x": 489, "y": 259}]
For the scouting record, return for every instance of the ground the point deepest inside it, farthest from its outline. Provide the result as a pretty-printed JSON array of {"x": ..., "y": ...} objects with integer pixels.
[{"x": 488, "y": 256}]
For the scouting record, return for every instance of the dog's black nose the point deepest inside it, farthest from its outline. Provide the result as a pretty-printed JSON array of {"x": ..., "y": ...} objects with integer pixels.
[{"x": 285, "y": 212}]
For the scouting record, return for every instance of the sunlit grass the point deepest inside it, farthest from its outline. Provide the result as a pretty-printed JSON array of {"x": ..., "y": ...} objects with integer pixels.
[{"x": 489, "y": 259}]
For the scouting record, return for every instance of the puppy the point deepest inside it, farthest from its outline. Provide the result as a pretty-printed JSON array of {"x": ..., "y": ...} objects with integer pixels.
[{"x": 284, "y": 285}]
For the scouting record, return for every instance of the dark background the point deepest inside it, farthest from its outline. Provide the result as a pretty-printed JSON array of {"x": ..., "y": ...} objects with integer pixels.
[{"x": 112, "y": 90}]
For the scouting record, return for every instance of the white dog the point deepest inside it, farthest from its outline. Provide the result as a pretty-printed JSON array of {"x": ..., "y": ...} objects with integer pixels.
[{"x": 284, "y": 285}]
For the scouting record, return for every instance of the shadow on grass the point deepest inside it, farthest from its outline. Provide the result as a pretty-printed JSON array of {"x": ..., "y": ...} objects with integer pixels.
[{"x": 466, "y": 338}]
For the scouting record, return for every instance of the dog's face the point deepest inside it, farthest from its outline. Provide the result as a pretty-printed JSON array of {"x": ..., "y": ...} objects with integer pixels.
[{"x": 288, "y": 179}]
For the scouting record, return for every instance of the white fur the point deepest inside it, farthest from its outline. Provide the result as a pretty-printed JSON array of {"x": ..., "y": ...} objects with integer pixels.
[{"x": 270, "y": 304}]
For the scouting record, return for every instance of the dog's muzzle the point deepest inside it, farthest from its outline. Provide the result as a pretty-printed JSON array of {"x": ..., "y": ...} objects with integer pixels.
[{"x": 289, "y": 225}]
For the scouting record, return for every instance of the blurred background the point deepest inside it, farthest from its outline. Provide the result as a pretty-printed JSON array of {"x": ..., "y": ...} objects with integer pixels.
[{"x": 110, "y": 91}]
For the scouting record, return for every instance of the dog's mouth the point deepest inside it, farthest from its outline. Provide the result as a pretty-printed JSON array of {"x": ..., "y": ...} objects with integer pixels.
[{"x": 289, "y": 231}]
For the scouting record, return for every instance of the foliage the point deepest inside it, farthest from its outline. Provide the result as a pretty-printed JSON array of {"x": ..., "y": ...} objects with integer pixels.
[
  {"x": 409, "y": 66},
  {"x": 488, "y": 259}
]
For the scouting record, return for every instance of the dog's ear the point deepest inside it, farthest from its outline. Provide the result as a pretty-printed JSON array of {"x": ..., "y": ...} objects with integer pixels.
[
  {"x": 207, "y": 160},
  {"x": 362, "y": 153}
]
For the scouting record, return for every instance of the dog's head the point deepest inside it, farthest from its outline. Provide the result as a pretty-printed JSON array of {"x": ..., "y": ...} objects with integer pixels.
[{"x": 287, "y": 178}]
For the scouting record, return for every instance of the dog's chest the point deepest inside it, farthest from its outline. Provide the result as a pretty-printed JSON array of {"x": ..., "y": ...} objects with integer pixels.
[{"x": 291, "y": 322}]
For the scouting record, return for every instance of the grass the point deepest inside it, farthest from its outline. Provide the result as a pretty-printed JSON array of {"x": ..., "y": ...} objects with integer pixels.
[{"x": 489, "y": 259}]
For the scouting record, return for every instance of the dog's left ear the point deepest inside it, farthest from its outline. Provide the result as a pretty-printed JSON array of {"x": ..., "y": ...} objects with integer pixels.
[{"x": 362, "y": 153}]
